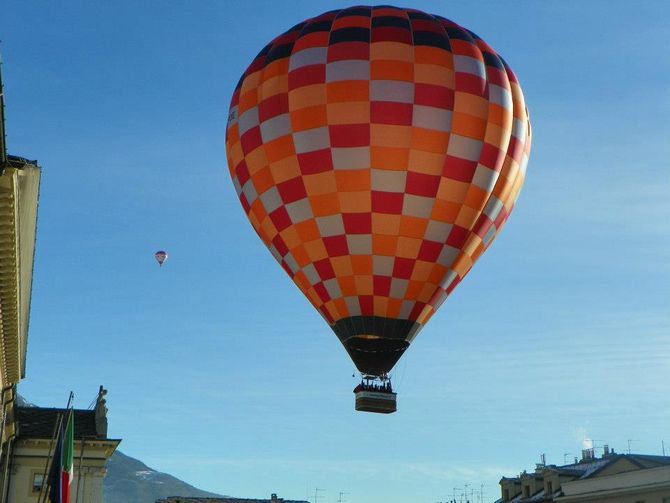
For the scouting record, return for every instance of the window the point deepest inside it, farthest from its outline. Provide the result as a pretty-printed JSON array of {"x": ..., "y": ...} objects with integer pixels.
[
  {"x": 526, "y": 491},
  {"x": 38, "y": 480},
  {"x": 550, "y": 488},
  {"x": 506, "y": 495}
]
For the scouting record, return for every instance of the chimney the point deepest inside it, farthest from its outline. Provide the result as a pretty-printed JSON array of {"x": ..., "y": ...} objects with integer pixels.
[
  {"x": 587, "y": 454},
  {"x": 606, "y": 450}
]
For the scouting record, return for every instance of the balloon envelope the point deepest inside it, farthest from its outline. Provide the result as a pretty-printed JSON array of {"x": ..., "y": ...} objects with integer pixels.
[
  {"x": 161, "y": 257},
  {"x": 377, "y": 152}
]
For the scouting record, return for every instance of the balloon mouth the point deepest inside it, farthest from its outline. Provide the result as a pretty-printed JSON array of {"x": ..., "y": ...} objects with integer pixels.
[{"x": 374, "y": 354}]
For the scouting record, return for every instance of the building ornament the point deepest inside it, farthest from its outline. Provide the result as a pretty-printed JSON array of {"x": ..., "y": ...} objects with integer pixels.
[{"x": 101, "y": 413}]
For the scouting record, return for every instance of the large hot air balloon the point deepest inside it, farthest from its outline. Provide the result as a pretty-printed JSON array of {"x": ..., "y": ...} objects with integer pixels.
[{"x": 377, "y": 152}]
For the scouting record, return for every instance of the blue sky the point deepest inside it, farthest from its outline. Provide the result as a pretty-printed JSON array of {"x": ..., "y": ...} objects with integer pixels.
[{"x": 220, "y": 372}]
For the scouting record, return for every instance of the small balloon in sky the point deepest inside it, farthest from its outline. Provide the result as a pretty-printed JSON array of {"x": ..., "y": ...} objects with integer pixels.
[{"x": 161, "y": 256}]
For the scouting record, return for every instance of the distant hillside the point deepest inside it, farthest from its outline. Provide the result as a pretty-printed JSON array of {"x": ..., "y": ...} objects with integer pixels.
[
  {"x": 129, "y": 480},
  {"x": 22, "y": 402}
]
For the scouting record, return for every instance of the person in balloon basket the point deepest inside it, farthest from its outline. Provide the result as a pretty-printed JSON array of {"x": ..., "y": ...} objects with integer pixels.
[{"x": 381, "y": 388}]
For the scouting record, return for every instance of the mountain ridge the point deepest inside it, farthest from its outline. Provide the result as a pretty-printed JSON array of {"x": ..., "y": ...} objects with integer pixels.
[{"x": 129, "y": 479}]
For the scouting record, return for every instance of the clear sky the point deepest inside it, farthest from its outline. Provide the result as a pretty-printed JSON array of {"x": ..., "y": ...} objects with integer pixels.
[{"x": 221, "y": 373}]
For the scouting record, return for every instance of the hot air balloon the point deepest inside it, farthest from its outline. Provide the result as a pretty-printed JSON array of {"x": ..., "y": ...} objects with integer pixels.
[
  {"x": 377, "y": 152},
  {"x": 161, "y": 256}
]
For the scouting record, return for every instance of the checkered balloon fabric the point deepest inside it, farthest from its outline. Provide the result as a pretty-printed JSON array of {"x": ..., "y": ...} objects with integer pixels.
[{"x": 377, "y": 152}]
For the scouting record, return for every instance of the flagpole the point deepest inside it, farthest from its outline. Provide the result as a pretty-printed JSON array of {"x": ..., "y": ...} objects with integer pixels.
[
  {"x": 67, "y": 454},
  {"x": 69, "y": 400},
  {"x": 59, "y": 424},
  {"x": 57, "y": 427}
]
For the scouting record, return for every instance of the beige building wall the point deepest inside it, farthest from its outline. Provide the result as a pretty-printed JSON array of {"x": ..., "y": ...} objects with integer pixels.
[
  {"x": 19, "y": 195},
  {"x": 29, "y": 458},
  {"x": 650, "y": 485},
  {"x": 19, "y": 189}
]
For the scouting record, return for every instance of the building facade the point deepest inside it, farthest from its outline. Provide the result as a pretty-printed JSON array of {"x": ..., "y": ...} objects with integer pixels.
[
  {"x": 30, "y": 454},
  {"x": 19, "y": 193},
  {"x": 612, "y": 478},
  {"x": 26, "y": 433}
]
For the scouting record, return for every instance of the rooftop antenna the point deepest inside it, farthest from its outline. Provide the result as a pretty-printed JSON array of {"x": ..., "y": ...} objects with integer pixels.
[
  {"x": 629, "y": 442},
  {"x": 663, "y": 446},
  {"x": 316, "y": 494},
  {"x": 342, "y": 493},
  {"x": 565, "y": 457}
]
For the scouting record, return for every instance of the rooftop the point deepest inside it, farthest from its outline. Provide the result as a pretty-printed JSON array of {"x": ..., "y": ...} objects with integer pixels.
[
  {"x": 588, "y": 468},
  {"x": 39, "y": 422}
]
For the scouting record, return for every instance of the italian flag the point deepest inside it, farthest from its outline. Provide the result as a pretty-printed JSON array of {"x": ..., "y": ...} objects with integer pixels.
[{"x": 61, "y": 474}]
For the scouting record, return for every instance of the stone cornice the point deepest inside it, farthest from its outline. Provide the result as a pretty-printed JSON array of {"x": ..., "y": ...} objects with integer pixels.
[
  {"x": 41, "y": 443},
  {"x": 19, "y": 188}
]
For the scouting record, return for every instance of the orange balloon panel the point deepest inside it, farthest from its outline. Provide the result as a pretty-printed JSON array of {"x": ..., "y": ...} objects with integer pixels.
[{"x": 377, "y": 152}]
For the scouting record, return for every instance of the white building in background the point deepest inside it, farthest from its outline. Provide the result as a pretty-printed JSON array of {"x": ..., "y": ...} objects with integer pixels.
[{"x": 613, "y": 478}]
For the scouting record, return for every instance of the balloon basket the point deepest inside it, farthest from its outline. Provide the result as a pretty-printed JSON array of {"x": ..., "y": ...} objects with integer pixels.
[{"x": 381, "y": 402}]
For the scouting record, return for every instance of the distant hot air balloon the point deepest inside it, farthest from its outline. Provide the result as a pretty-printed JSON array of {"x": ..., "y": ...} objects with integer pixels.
[
  {"x": 161, "y": 257},
  {"x": 377, "y": 152}
]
